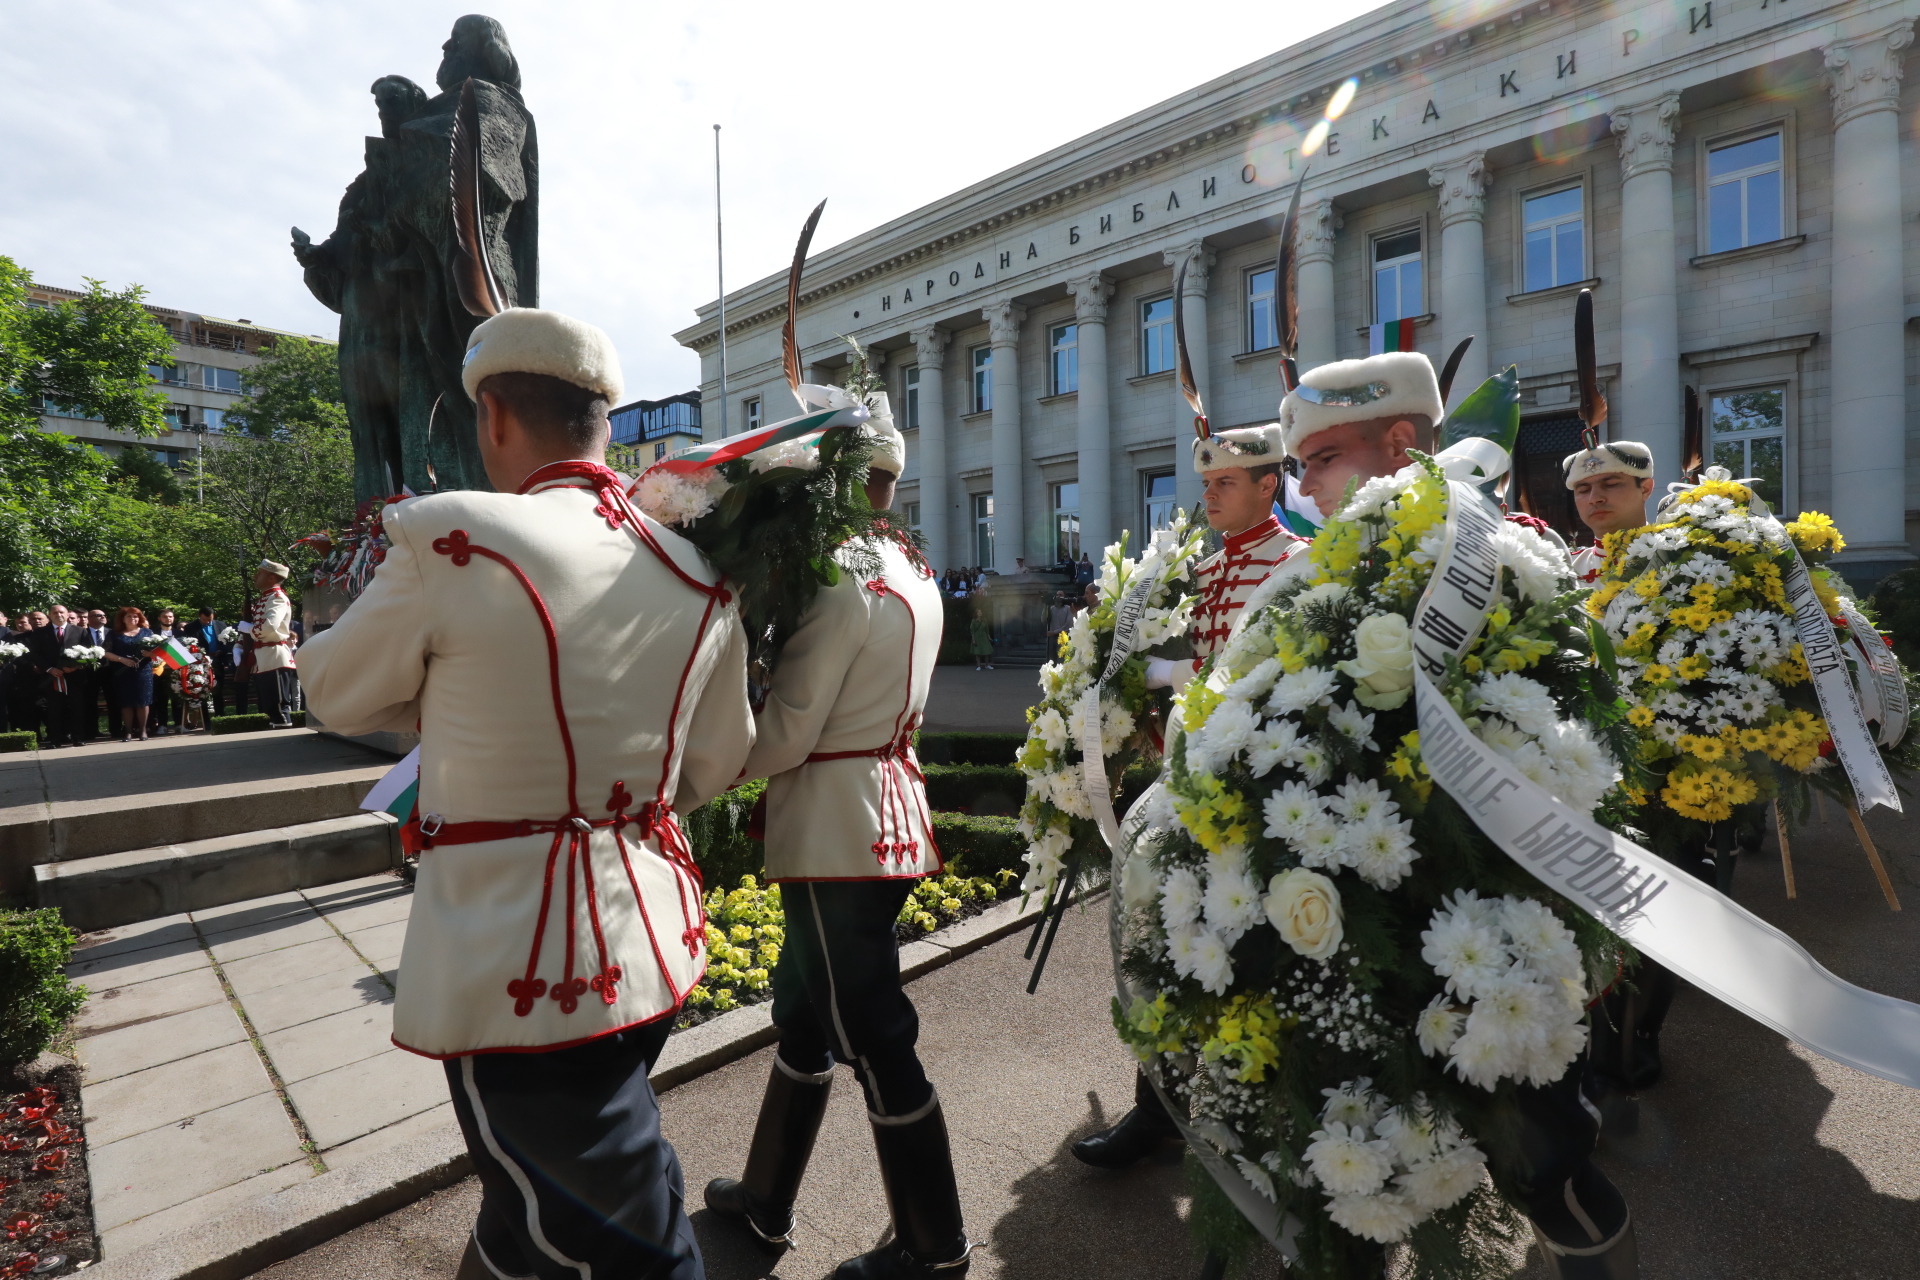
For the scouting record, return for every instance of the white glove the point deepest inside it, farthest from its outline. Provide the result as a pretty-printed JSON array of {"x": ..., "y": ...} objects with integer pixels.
[{"x": 1159, "y": 673}]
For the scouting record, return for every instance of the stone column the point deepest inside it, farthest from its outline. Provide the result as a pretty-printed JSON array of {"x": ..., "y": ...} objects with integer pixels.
[
  {"x": 1647, "y": 405},
  {"x": 1463, "y": 266},
  {"x": 1319, "y": 335},
  {"x": 1009, "y": 448},
  {"x": 1867, "y": 422},
  {"x": 936, "y": 514},
  {"x": 1090, "y": 294},
  {"x": 1187, "y": 486}
]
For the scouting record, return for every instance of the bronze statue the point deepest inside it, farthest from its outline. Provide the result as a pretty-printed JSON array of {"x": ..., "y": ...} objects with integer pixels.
[{"x": 387, "y": 266}]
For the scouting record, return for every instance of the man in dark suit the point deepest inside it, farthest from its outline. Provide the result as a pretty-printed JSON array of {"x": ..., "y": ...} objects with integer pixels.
[
  {"x": 48, "y": 653},
  {"x": 7, "y": 636},
  {"x": 95, "y": 684}
]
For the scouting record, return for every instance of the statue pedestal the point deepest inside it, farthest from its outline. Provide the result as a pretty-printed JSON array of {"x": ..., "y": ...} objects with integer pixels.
[{"x": 320, "y": 608}]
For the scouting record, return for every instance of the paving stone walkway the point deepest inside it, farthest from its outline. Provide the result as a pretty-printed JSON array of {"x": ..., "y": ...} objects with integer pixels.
[{"x": 234, "y": 1052}]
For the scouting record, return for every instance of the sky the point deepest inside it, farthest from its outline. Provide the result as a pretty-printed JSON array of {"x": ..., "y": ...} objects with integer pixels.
[{"x": 174, "y": 146}]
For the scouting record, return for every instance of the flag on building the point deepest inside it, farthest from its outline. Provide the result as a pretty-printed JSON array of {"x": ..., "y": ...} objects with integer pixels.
[
  {"x": 1394, "y": 335},
  {"x": 174, "y": 653}
]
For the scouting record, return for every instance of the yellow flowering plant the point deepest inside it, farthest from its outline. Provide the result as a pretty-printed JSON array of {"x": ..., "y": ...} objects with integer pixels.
[
  {"x": 1311, "y": 929},
  {"x": 1056, "y": 818},
  {"x": 1709, "y": 657}
]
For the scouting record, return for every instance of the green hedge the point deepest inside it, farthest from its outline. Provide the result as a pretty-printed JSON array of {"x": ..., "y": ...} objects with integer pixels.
[
  {"x": 252, "y": 722},
  {"x": 979, "y": 846},
  {"x": 36, "y": 999},
  {"x": 975, "y": 788},
  {"x": 968, "y": 748},
  {"x": 19, "y": 740},
  {"x": 717, "y": 830}
]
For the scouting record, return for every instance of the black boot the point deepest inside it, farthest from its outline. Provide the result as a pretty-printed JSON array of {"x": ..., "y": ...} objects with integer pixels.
[
  {"x": 1144, "y": 1131},
  {"x": 916, "y": 1166},
  {"x": 763, "y": 1197}
]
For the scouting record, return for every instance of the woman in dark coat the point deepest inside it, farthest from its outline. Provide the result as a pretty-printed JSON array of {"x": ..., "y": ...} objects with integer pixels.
[{"x": 133, "y": 673}]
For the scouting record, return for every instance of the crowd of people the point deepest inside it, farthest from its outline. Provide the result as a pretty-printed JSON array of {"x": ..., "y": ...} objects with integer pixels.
[{"x": 76, "y": 675}]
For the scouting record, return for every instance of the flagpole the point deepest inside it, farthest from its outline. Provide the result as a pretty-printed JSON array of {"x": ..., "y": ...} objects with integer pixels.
[{"x": 720, "y": 269}]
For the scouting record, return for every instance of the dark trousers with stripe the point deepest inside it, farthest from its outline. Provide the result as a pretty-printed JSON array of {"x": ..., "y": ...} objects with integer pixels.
[
  {"x": 577, "y": 1180},
  {"x": 276, "y": 692},
  {"x": 837, "y": 996}
]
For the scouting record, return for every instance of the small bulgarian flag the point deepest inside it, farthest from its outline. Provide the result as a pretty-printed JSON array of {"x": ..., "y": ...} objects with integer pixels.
[
  {"x": 1394, "y": 335},
  {"x": 399, "y": 790},
  {"x": 174, "y": 653}
]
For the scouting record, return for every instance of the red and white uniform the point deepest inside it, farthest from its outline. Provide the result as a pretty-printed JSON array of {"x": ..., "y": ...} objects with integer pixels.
[
  {"x": 1232, "y": 577},
  {"x": 845, "y": 796},
  {"x": 272, "y": 635},
  {"x": 1586, "y": 565},
  {"x": 578, "y": 673}
]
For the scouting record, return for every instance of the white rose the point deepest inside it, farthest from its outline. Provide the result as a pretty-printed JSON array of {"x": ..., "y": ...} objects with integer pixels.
[
  {"x": 1382, "y": 666},
  {"x": 1305, "y": 907}
]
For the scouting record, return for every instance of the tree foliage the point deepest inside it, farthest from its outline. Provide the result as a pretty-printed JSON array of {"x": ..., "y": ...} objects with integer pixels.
[
  {"x": 89, "y": 355},
  {"x": 296, "y": 384},
  {"x": 270, "y": 492}
]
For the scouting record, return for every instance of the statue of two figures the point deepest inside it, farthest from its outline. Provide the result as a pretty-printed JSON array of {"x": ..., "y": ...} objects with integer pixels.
[{"x": 385, "y": 268}]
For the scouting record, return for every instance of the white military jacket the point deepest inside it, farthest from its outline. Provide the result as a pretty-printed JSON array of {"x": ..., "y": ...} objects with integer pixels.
[
  {"x": 1248, "y": 568},
  {"x": 845, "y": 797},
  {"x": 579, "y": 676},
  {"x": 1587, "y": 563},
  {"x": 272, "y": 633}
]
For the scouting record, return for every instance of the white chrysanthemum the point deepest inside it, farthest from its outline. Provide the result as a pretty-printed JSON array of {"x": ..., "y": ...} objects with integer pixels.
[
  {"x": 1345, "y": 1163},
  {"x": 1442, "y": 1183},
  {"x": 1232, "y": 904},
  {"x": 1383, "y": 1219},
  {"x": 1318, "y": 843},
  {"x": 1181, "y": 897},
  {"x": 1360, "y": 799},
  {"x": 1371, "y": 498},
  {"x": 1310, "y": 758},
  {"x": 1352, "y": 1103},
  {"x": 1501, "y": 736},
  {"x": 1586, "y": 770},
  {"x": 672, "y": 498},
  {"x": 1379, "y": 849},
  {"x": 1227, "y": 732},
  {"x": 1355, "y": 724},
  {"x": 1275, "y": 744},
  {"x": 1291, "y": 809},
  {"x": 1484, "y": 912},
  {"x": 1409, "y": 1133},
  {"x": 1328, "y": 593},
  {"x": 1116, "y": 726},
  {"x": 1182, "y": 945},
  {"x": 1537, "y": 937},
  {"x": 1469, "y": 956},
  {"x": 1539, "y": 570},
  {"x": 1300, "y": 690},
  {"x": 1262, "y": 1180},
  {"x": 1564, "y": 1041},
  {"x": 1438, "y": 1026},
  {"x": 1212, "y": 965},
  {"x": 1483, "y": 1060},
  {"x": 1517, "y": 700},
  {"x": 1255, "y": 684},
  {"x": 1052, "y": 728}
]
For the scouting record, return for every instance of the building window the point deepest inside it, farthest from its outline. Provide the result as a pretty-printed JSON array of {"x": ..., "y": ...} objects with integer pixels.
[
  {"x": 1063, "y": 341},
  {"x": 982, "y": 381},
  {"x": 177, "y": 416},
  {"x": 1744, "y": 186},
  {"x": 659, "y": 450},
  {"x": 1749, "y": 438},
  {"x": 1396, "y": 276},
  {"x": 910, "y": 512},
  {"x": 1066, "y": 523},
  {"x": 1262, "y": 328},
  {"x": 910, "y": 389},
  {"x": 221, "y": 379},
  {"x": 215, "y": 419},
  {"x": 1156, "y": 336},
  {"x": 1161, "y": 503},
  {"x": 1554, "y": 229},
  {"x": 753, "y": 414},
  {"x": 983, "y": 530}
]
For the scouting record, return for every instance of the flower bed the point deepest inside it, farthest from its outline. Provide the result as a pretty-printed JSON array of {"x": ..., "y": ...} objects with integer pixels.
[
  {"x": 46, "y": 1204},
  {"x": 747, "y": 926}
]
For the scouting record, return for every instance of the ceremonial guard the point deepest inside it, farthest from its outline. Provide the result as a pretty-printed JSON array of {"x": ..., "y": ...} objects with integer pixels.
[
  {"x": 275, "y": 686},
  {"x": 847, "y": 837},
  {"x": 1350, "y": 422},
  {"x": 1611, "y": 484},
  {"x": 578, "y": 677},
  {"x": 1241, "y": 469}
]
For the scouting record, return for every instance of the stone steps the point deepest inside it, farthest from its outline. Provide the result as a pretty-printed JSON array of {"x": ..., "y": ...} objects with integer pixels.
[{"x": 109, "y": 890}]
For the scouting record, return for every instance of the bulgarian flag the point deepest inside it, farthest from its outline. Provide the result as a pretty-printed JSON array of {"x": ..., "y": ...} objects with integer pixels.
[
  {"x": 702, "y": 456},
  {"x": 174, "y": 653},
  {"x": 398, "y": 791},
  {"x": 1394, "y": 335}
]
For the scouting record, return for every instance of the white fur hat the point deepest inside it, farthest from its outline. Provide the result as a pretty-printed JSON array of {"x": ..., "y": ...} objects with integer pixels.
[
  {"x": 528, "y": 340},
  {"x": 1240, "y": 447},
  {"x": 1383, "y": 386},
  {"x": 274, "y": 567},
  {"x": 1628, "y": 457},
  {"x": 890, "y": 450}
]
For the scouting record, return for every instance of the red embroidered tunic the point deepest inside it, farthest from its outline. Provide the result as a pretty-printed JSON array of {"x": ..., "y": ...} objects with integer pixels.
[{"x": 1228, "y": 578}]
